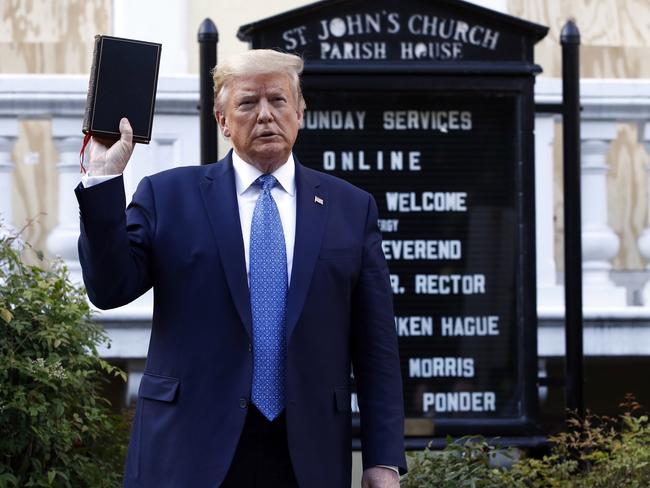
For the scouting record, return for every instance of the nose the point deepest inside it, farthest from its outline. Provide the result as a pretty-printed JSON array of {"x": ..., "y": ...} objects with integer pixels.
[{"x": 264, "y": 114}]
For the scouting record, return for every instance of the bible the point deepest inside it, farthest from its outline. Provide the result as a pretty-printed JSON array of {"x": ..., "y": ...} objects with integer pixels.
[{"x": 123, "y": 81}]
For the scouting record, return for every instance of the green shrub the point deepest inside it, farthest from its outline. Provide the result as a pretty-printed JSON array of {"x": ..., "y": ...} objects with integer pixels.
[
  {"x": 594, "y": 452},
  {"x": 598, "y": 452},
  {"x": 56, "y": 429},
  {"x": 467, "y": 462}
]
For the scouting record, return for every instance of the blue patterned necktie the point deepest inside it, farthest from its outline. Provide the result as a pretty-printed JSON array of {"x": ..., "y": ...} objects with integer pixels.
[{"x": 268, "y": 287}]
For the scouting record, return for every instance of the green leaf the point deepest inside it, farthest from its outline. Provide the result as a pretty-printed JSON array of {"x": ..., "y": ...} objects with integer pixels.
[
  {"x": 50, "y": 476},
  {"x": 6, "y": 315},
  {"x": 6, "y": 478}
]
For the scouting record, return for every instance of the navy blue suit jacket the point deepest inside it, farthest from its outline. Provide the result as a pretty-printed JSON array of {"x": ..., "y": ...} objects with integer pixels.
[{"x": 181, "y": 234}]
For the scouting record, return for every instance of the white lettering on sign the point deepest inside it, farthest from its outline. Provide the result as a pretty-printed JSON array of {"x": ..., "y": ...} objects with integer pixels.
[
  {"x": 411, "y": 250},
  {"x": 459, "y": 401},
  {"x": 433, "y": 37},
  {"x": 452, "y": 29},
  {"x": 334, "y": 120},
  {"x": 353, "y": 50},
  {"x": 469, "y": 326},
  {"x": 388, "y": 225},
  {"x": 431, "y": 50},
  {"x": 414, "y": 326},
  {"x": 356, "y": 160},
  {"x": 295, "y": 37},
  {"x": 359, "y": 24},
  {"x": 443, "y": 121},
  {"x": 427, "y": 201},
  {"x": 441, "y": 367},
  {"x": 453, "y": 284},
  {"x": 395, "y": 286}
]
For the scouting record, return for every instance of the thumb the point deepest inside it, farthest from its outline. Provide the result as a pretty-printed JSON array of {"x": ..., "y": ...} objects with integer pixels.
[{"x": 126, "y": 131}]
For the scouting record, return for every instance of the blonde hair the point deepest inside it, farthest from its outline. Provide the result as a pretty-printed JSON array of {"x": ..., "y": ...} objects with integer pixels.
[{"x": 256, "y": 62}]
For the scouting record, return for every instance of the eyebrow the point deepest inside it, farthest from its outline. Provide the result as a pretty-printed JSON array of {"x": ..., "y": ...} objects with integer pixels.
[
  {"x": 245, "y": 94},
  {"x": 275, "y": 91}
]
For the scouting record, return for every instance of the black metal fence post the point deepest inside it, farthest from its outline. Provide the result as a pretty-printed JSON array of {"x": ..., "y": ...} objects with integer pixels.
[
  {"x": 208, "y": 38},
  {"x": 570, "y": 39}
]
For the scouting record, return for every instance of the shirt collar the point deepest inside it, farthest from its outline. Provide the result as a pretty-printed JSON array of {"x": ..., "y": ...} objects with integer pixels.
[{"x": 246, "y": 174}]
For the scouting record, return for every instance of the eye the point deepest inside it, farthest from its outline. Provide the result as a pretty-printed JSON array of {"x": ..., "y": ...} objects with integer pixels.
[{"x": 246, "y": 103}]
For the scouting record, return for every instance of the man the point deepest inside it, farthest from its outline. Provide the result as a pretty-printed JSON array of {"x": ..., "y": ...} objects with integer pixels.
[{"x": 269, "y": 281}]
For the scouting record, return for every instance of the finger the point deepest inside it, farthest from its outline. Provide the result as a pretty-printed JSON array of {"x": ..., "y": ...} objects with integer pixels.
[
  {"x": 101, "y": 141},
  {"x": 126, "y": 131}
]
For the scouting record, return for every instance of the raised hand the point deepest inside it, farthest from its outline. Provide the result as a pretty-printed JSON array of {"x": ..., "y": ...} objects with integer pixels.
[{"x": 108, "y": 157}]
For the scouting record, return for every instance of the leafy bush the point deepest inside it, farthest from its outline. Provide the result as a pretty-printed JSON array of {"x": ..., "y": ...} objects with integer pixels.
[
  {"x": 56, "y": 429},
  {"x": 464, "y": 463},
  {"x": 594, "y": 452}
]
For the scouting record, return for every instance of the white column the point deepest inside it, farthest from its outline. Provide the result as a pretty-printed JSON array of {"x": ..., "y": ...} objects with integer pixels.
[
  {"x": 8, "y": 136},
  {"x": 599, "y": 242},
  {"x": 549, "y": 293},
  {"x": 156, "y": 21},
  {"x": 644, "y": 238},
  {"x": 62, "y": 241},
  {"x": 6, "y": 168}
]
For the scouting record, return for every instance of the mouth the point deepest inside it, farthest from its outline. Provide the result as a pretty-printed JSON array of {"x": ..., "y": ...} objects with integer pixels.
[{"x": 267, "y": 134}]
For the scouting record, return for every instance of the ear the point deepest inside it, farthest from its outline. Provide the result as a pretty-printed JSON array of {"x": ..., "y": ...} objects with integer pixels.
[
  {"x": 300, "y": 113},
  {"x": 223, "y": 124}
]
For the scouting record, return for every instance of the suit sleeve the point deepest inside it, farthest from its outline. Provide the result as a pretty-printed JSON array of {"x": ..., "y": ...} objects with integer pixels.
[
  {"x": 115, "y": 245},
  {"x": 375, "y": 356}
]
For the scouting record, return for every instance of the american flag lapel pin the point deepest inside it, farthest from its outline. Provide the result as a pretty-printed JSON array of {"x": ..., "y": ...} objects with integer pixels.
[{"x": 319, "y": 200}]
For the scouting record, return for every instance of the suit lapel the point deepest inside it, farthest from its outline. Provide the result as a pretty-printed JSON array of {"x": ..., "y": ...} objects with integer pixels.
[
  {"x": 310, "y": 226},
  {"x": 220, "y": 199}
]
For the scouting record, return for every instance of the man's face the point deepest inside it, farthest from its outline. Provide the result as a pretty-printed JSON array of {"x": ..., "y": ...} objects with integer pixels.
[{"x": 262, "y": 118}]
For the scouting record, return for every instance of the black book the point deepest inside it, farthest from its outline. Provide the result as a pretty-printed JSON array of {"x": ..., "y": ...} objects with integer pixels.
[{"x": 123, "y": 81}]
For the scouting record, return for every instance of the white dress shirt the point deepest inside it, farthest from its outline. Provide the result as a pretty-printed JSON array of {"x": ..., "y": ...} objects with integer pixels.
[{"x": 284, "y": 194}]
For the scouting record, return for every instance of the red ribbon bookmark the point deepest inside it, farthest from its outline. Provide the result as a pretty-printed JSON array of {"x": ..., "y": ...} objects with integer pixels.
[{"x": 81, "y": 153}]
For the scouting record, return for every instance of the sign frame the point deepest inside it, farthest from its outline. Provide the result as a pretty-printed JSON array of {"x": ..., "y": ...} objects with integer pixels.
[{"x": 323, "y": 79}]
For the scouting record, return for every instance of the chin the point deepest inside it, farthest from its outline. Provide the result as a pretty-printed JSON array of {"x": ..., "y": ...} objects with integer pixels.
[
  {"x": 267, "y": 161},
  {"x": 273, "y": 151}
]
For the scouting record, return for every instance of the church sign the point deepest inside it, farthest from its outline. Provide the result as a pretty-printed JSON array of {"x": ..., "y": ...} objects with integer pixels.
[{"x": 428, "y": 105}]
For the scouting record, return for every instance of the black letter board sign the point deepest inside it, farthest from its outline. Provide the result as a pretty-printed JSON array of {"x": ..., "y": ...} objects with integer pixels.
[{"x": 428, "y": 105}]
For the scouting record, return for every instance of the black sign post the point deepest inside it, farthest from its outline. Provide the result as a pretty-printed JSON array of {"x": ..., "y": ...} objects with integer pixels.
[
  {"x": 429, "y": 106},
  {"x": 570, "y": 39},
  {"x": 208, "y": 37}
]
